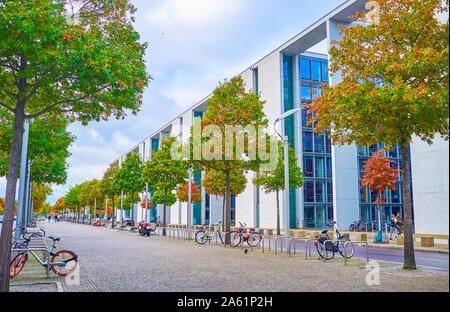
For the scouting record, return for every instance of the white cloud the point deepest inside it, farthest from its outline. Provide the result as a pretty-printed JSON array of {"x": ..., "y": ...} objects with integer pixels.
[{"x": 192, "y": 13}]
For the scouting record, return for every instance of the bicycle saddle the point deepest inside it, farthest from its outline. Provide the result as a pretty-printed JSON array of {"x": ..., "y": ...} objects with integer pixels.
[
  {"x": 324, "y": 231},
  {"x": 54, "y": 238}
]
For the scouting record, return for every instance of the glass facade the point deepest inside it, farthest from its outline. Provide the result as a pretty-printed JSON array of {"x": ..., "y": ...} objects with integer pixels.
[
  {"x": 197, "y": 207},
  {"x": 394, "y": 200},
  {"x": 318, "y": 187},
  {"x": 288, "y": 88}
]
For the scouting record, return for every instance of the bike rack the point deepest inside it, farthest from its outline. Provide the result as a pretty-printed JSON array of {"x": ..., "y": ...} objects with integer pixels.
[
  {"x": 308, "y": 246},
  {"x": 293, "y": 239},
  {"x": 357, "y": 243}
]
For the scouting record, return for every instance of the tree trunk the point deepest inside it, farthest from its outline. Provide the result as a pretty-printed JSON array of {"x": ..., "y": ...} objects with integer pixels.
[
  {"x": 164, "y": 213},
  {"x": 227, "y": 204},
  {"x": 409, "y": 259},
  {"x": 278, "y": 213},
  {"x": 223, "y": 214},
  {"x": 8, "y": 213},
  {"x": 132, "y": 209}
]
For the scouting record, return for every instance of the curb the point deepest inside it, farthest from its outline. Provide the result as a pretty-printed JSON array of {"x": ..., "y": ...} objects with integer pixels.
[{"x": 443, "y": 251}]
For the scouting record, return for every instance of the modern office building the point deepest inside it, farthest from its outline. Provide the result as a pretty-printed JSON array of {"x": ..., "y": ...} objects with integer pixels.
[{"x": 284, "y": 79}]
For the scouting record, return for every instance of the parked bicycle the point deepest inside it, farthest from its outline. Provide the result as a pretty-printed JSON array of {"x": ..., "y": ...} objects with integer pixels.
[
  {"x": 327, "y": 252},
  {"x": 61, "y": 263},
  {"x": 252, "y": 238},
  {"x": 203, "y": 236}
]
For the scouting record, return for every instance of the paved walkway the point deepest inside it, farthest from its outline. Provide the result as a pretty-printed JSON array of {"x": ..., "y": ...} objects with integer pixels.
[{"x": 113, "y": 260}]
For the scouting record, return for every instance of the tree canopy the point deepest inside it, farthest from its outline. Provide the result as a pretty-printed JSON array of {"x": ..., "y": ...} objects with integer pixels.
[{"x": 394, "y": 85}]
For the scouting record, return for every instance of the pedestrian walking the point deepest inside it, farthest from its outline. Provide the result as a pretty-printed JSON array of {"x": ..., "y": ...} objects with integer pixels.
[
  {"x": 393, "y": 226},
  {"x": 49, "y": 217},
  {"x": 399, "y": 223}
]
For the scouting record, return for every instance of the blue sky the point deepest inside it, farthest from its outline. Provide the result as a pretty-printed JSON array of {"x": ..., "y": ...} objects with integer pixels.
[{"x": 192, "y": 45}]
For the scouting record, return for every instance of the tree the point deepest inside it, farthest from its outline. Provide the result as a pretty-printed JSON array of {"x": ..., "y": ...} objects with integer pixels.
[
  {"x": 273, "y": 181},
  {"x": 89, "y": 68},
  {"x": 109, "y": 185},
  {"x": 129, "y": 177},
  {"x": 163, "y": 174},
  {"x": 214, "y": 183},
  {"x": 48, "y": 144},
  {"x": 162, "y": 197},
  {"x": 39, "y": 195},
  {"x": 97, "y": 196},
  {"x": 59, "y": 205},
  {"x": 230, "y": 106},
  {"x": 394, "y": 86},
  {"x": 379, "y": 176},
  {"x": 183, "y": 192},
  {"x": 71, "y": 198}
]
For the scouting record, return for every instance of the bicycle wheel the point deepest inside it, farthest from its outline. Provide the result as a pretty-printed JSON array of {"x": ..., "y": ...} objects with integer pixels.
[
  {"x": 321, "y": 251},
  {"x": 201, "y": 237},
  {"x": 69, "y": 267},
  {"x": 254, "y": 239},
  {"x": 235, "y": 238},
  {"x": 17, "y": 264},
  {"x": 350, "y": 248}
]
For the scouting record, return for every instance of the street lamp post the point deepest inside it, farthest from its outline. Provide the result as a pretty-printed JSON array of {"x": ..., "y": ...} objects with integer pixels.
[
  {"x": 284, "y": 139},
  {"x": 189, "y": 200}
]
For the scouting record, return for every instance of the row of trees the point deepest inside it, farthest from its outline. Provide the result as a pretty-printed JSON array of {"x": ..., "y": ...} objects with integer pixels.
[{"x": 231, "y": 104}]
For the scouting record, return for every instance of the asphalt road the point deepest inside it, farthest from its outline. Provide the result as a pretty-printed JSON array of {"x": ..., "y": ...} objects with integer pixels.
[{"x": 428, "y": 259}]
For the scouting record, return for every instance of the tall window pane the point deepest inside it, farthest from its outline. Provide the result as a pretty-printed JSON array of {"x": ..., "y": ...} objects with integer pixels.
[
  {"x": 320, "y": 167},
  {"x": 316, "y": 70},
  {"x": 319, "y": 144},
  {"x": 307, "y": 141},
  {"x": 309, "y": 191},
  {"x": 324, "y": 71},
  {"x": 305, "y": 71},
  {"x": 308, "y": 166}
]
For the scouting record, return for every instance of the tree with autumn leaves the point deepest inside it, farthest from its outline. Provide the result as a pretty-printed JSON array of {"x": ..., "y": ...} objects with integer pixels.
[
  {"x": 231, "y": 105},
  {"x": 164, "y": 174},
  {"x": 273, "y": 180},
  {"x": 88, "y": 68},
  {"x": 214, "y": 182},
  {"x": 379, "y": 176},
  {"x": 394, "y": 86},
  {"x": 183, "y": 192}
]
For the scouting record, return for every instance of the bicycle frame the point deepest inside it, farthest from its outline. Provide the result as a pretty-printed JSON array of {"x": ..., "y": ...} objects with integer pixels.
[{"x": 47, "y": 262}]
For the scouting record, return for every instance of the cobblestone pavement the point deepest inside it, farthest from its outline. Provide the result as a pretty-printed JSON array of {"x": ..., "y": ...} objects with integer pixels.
[{"x": 113, "y": 260}]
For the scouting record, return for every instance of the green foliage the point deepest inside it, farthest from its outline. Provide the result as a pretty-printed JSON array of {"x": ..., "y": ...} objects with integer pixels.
[
  {"x": 39, "y": 195},
  {"x": 273, "y": 181},
  {"x": 162, "y": 172},
  {"x": 47, "y": 147},
  {"x": 395, "y": 79},
  {"x": 127, "y": 200},
  {"x": 159, "y": 197},
  {"x": 71, "y": 199},
  {"x": 109, "y": 183},
  {"x": 94, "y": 68},
  {"x": 214, "y": 182},
  {"x": 128, "y": 177}
]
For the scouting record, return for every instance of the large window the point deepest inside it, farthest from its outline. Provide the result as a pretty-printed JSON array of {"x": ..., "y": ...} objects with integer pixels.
[
  {"x": 307, "y": 141},
  {"x": 309, "y": 191},
  {"x": 316, "y": 70},
  {"x": 308, "y": 166},
  {"x": 305, "y": 68}
]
